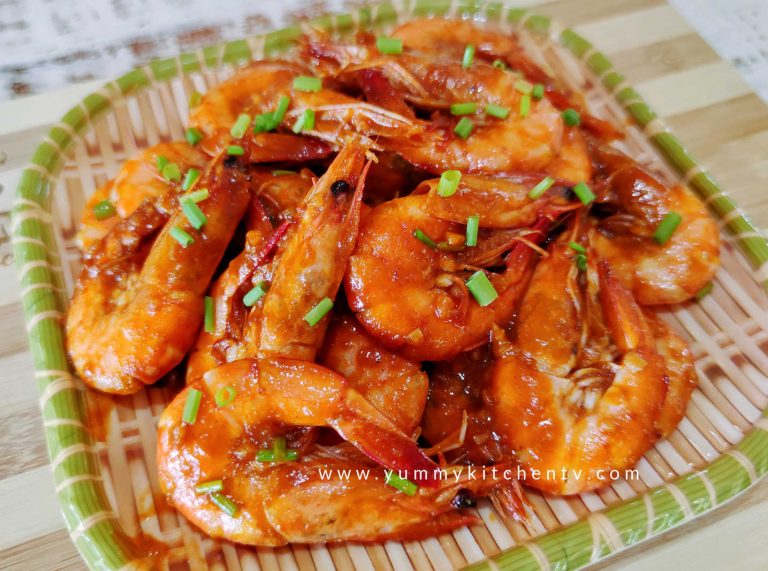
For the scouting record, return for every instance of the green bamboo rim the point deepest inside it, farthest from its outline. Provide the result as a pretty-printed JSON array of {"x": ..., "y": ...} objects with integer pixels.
[{"x": 95, "y": 529}]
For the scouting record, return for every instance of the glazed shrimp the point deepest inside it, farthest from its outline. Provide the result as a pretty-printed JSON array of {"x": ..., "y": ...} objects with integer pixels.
[
  {"x": 412, "y": 297},
  {"x": 139, "y": 179},
  {"x": 656, "y": 274},
  {"x": 576, "y": 426},
  {"x": 138, "y": 303},
  {"x": 277, "y": 503}
]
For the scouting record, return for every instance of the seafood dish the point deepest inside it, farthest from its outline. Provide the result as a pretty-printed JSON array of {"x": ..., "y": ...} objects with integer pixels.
[{"x": 394, "y": 274}]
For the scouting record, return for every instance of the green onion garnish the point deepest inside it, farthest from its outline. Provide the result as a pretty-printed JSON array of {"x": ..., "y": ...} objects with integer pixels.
[
  {"x": 467, "y": 108},
  {"x": 241, "y": 126},
  {"x": 225, "y": 396},
  {"x": 103, "y": 210},
  {"x": 190, "y": 179},
  {"x": 498, "y": 64},
  {"x": 306, "y": 122},
  {"x": 473, "y": 224},
  {"x": 191, "y": 405},
  {"x": 264, "y": 123},
  {"x": 209, "y": 323},
  {"x": 423, "y": 238},
  {"x": 193, "y": 213},
  {"x": 571, "y": 117},
  {"x": 577, "y": 247},
  {"x": 581, "y": 262},
  {"x": 523, "y": 87},
  {"x": 464, "y": 127},
  {"x": 705, "y": 291},
  {"x": 497, "y": 111},
  {"x": 161, "y": 162},
  {"x": 667, "y": 227},
  {"x": 315, "y": 314},
  {"x": 193, "y": 136},
  {"x": 181, "y": 236},
  {"x": 469, "y": 55},
  {"x": 538, "y": 91},
  {"x": 256, "y": 293},
  {"x": 306, "y": 83},
  {"x": 235, "y": 150},
  {"x": 481, "y": 288},
  {"x": 541, "y": 187},
  {"x": 197, "y": 195},
  {"x": 401, "y": 484},
  {"x": 584, "y": 193},
  {"x": 224, "y": 503},
  {"x": 279, "y": 172},
  {"x": 282, "y": 106},
  {"x": 525, "y": 105},
  {"x": 449, "y": 183},
  {"x": 194, "y": 99},
  {"x": 279, "y": 453},
  {"x": 208, "y": 487},
  {"x": 171, "y": 172},
  {"x": 389, "y": 45}
]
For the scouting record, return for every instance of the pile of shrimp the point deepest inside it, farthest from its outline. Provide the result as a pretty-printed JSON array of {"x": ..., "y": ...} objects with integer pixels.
[{"x": 407, "y": 256}]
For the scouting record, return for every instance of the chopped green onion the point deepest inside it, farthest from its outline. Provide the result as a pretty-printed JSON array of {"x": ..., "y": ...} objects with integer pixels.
[
  {"x": 257, "y": 292},
  {"x": 103, "y": 210},
  {"x": 469, "y": 55},
  {"x": 401, "y": 484},
  {"x": 171, "y": 172},
  {"x": 191, "y": 406},
  {"x": 497, "y": 111},
  {"x": 306, "y": 122},
  {"x": 208, "y": 487},
  {"x": 181, "y": 236},
  {"x": 571, "y": 117},
  {"x": 224, "y": 503},
  {"x": 449, "y": 183},
  {"x": 541, "y": 187},
  {"x": 193, "y": 136},
  {"x": 278, "y": 446},
  {"x": 241, "y": 126},
  {"x": 279, "y": 172},
  {"x": 315, "y": 314},
  {"x": 577, "y": 247},
  {"x": 161, "y": 162},
  {"x": 481, "y": 288},
  {"x": 498, "y": 64},
  {"x": 265, "y": 456},
  {"x": 523, "y": 86},
  {"x": 464, "y": 127},
  {"x": 705, "y": 291},
  {"x": 225, "y": 396},
  {"x": 190, "y": 179},
  {"x": 282, "y": 106},
  {"x": 389, "y": 45},
  {"x": 279, "y": 453},
  {"x": 235, "y": 150},
  {"x": 197, "y": 195},
  {"x": 193, "y": 213},
  {"x": 423, "y": 238},
  {"x": 194, "y": 99},
  {"x": 584, "y": 193},
  {"x": 581, "y": 262},
  {"x": 473, "y": 224},
  {"x": 463, "y": 108},
  {"x": 538, "y": 91},
  {"x": 209, "y": 322},
  {"x": 264, "y": 123},
  {"x": 667, "y": 227},
  {"x": 306, "y": 83},
  {"x": 525, "y": 105}
]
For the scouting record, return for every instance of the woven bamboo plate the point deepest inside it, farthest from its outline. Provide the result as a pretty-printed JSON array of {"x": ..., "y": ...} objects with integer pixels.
[{"x": 102, "y": 448}]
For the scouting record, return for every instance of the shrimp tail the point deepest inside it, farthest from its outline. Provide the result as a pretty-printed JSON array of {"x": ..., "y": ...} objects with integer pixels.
[{"x": 625, "y": 319}]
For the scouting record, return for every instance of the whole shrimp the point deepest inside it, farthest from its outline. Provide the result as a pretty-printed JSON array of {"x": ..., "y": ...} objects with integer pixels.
[
  {"x": 138, "y": 303},
  {"x": 656, "y": 273}
]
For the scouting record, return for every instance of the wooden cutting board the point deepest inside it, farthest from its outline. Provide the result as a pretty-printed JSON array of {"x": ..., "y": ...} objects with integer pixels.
[{"x": 703, "y": 99}]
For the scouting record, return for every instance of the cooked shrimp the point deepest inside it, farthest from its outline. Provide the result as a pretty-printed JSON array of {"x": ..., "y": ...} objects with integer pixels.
[
  {"x": 138, "y": 303},
  {"x": 314, "y": 259},
  {"x": 577, "y": 426},
  {"x": 396, "y": 386},
  {"x": 277, "y": 503},
  {"x": 139, "y": 179},
  {"x": 656, "y": 274},
  {"x": 412, "y": 297}
]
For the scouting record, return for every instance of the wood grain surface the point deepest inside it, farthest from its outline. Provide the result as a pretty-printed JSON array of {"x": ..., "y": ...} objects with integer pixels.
[{"x": 703, "y": 99}]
